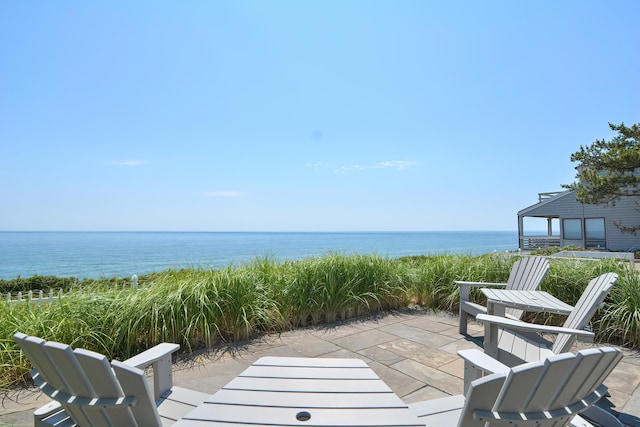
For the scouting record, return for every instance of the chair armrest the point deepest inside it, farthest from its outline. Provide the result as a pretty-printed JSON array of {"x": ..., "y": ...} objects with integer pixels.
[
  {"x": 517, "y": 325},
  {"x": 479, "y": 284},
  {"x": 477, "y": 364},
  {"x": 147, "y": 357},
  {"x": 477, "y": 359},
  {"x": 159, "y": 357}
]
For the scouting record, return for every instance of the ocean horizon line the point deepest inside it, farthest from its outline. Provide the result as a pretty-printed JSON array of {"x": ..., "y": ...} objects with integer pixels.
[{"x": 266, "y": 231}]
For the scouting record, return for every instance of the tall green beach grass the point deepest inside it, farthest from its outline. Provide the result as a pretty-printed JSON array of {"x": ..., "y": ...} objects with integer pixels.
[{"x": 201, "y": 308}]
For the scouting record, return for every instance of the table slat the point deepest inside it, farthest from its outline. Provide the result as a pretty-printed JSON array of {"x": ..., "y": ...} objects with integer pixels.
[
  {"x": 311, "y": 362},
  {"x": 306, "y": 372},
  {"x": 309, "y": 400},
  {"x": 308, "y": 385}
]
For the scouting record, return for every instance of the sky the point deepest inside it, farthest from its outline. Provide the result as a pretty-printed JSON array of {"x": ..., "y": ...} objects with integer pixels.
[{"x": 303, "y": 115}]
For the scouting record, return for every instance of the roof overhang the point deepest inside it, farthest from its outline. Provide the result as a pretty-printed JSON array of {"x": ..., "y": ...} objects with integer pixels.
[{"x": 530, "y": 211}]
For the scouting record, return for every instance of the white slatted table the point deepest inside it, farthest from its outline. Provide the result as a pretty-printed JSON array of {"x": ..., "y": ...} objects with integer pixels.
[
  {"x": 310, "y": 392},
  {"x": 537, "y": 301}
]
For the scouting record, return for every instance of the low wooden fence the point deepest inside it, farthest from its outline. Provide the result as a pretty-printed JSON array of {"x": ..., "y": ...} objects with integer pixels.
[
  {"x": 35, "y": 298},
  {"x": 39, "y": 297}
]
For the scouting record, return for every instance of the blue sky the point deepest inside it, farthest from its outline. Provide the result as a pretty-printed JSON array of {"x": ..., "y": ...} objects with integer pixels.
[{"x": 303, "y": 115}]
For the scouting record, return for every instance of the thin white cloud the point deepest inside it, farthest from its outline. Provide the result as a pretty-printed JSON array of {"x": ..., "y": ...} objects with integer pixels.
[
  {"x": 130, "y": 163},
  {"x": 352, "y": 168},
  {"x": 223, "y": 193},
  {"x": 393, "y": 164}
]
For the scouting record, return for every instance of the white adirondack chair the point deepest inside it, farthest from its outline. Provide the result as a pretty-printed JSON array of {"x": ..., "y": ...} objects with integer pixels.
[
  {"x": 526, "y": 275},
  {"x": 550, "y": 392},
  {"x": 87, "y": 390},
  {"x": 518, "y": 342}
]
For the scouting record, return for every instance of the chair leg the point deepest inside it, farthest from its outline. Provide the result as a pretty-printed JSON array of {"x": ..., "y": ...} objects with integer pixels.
[
  {"x": 464, "y": 297},
  {"x": 462, "y": 328}
]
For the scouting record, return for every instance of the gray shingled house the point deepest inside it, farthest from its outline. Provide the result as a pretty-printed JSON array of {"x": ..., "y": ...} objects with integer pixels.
[{"x": 570, "y": 222}]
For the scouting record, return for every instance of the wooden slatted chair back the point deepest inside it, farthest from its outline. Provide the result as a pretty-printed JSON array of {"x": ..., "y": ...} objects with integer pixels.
[
  {"x": 587, "y": 305},
  {"x": 526, "y": 275},
  {"x": 544, "y": 393},
  {"x": 92, "y": 391}
]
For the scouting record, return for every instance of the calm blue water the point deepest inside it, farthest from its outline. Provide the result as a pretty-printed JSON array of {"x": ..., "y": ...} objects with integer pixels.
[{"x": 121, "y": 254}]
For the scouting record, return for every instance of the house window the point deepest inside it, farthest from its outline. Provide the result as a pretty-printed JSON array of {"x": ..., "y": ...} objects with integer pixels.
[
  {"x": 594, "y": 233},
  {"x": 572, "y": 229}
]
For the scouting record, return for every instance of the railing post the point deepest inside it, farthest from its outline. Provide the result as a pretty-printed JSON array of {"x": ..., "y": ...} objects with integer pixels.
[{"x": 134, "y": 281}]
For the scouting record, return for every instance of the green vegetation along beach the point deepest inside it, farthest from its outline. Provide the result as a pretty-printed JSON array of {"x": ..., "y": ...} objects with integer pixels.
[{"x": 200, "y": 308}]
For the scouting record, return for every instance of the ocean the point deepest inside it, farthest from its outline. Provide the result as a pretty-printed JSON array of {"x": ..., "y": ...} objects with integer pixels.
[{"x": 122, "y": 254}]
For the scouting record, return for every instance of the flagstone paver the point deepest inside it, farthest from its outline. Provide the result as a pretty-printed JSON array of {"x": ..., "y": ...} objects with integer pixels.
[
  {"x": 381, "y": 355},
  {"x": 422, "y": 336},
  {"x": 364, "y": 339},
  {"x": 438, "y": 379},
  {"x": 400, "y": 382},
  {"x": 429, "y": 356}
]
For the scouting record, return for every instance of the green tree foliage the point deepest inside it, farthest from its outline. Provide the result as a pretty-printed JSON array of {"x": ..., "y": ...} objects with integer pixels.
[{"x": 609, "y": 170}]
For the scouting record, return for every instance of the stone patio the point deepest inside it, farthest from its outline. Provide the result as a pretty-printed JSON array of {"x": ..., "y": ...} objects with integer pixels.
[{"x": 414, "y": 352}]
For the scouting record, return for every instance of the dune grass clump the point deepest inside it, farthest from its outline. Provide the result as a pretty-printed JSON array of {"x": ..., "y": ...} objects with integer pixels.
[
  {"x": 335, "y": 287},
  {"x": 196, "y": 308},
  {"x": 620, "y": 319}
]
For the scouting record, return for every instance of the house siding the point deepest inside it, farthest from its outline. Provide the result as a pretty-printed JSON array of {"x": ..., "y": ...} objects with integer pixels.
[{"x": 626, "y": 211}]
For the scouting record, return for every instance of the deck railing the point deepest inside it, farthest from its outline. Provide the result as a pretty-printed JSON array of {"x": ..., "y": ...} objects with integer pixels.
[
  {"x": 539, "y": 242},
  {"x": 548, "y": 195}
]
